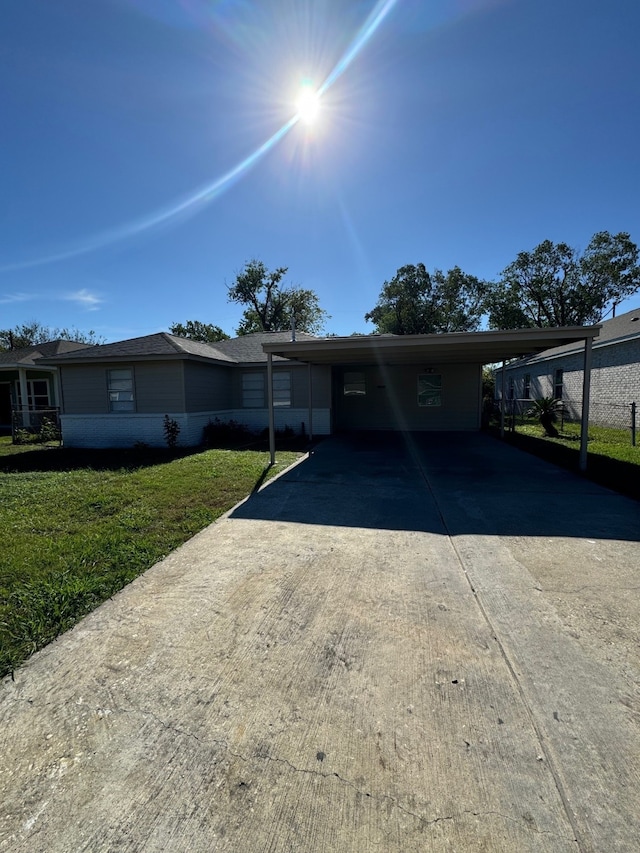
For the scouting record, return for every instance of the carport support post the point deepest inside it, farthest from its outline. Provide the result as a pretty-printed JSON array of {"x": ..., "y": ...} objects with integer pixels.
[
  {"x": 502, "y": 403},
  {"x": 310, "y": 402},
  {"x": 586, "y": 390},
  {"x": 272, "y": 431}
]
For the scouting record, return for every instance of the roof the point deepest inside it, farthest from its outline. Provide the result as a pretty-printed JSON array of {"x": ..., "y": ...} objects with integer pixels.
[
  {"x": 249, "y": 348},
  {"x": 624, "y": 327},
  {"x": 242, "y": 350},
  {"x": 159, "y": 346},
  {"x": 28, "y": 356},
  {"x": 454, "y": 347}
]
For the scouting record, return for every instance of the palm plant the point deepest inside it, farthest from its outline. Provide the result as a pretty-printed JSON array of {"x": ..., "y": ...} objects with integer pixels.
[{"x": 546, "y": 410}]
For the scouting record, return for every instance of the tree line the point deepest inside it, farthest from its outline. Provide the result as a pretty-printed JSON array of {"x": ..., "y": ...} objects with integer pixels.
[{"x": 552, "y": 285}]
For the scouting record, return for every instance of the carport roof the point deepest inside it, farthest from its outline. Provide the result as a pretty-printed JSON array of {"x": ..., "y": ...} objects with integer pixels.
[{"x": 461, "y": 347}]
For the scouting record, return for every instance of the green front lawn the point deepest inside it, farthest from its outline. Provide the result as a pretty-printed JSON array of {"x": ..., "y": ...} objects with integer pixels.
[{"x": 76, "y": 526}]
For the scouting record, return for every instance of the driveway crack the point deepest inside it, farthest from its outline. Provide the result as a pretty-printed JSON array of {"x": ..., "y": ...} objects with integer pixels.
[{"x": 387, "y": 798}]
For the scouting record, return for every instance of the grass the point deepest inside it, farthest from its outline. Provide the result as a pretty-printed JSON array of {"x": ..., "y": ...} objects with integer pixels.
[
  {"x": 77, "y": 526},
  {"x": 603, "y": 441}
]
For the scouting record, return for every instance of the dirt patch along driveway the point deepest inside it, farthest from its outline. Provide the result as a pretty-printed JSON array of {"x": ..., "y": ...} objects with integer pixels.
[{"x": 383, "y": 649}]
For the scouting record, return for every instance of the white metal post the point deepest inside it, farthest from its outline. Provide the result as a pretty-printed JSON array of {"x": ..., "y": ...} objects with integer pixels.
[
  {"x": 272, "y": 431},
  {"x": 502, "y": 403},
  {"x": 310, "y": 403},
  {"x": 586, "y": 390}
]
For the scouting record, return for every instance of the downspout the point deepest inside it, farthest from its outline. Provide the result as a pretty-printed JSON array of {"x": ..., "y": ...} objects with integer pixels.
[
  {"x": 586, "y": 391},
  {"x": 272, "y": 431},
  {"x": 502, "y": 404},
  {"x": 310, "y": 402}
]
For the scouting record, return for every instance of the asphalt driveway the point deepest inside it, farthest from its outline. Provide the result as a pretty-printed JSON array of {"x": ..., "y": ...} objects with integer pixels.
[{"x": 418, "y": 644}]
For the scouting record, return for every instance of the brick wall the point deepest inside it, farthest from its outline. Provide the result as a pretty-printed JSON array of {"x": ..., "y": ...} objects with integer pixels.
[
  {"x": 124, "y": 430},
  {"x": 615, "y": 381}
]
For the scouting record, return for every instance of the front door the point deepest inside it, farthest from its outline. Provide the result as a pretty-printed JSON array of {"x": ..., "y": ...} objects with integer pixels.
[{"x": 5, "y": 404}]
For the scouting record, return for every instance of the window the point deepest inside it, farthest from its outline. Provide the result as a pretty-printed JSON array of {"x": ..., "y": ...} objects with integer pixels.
[
  {"x": 253, "y": 390},
  {"x": 526, "y": 386},
  {"x": 429, "y": 389},
  {"x": 512, "y": 388},
  {"x": 120, "y": 387},
  {"x": 282, "y": 388},
  {"x": 354, "y": 384},
  {"x": 37, "y": 394},
  {"x": 558, "y": 379}
]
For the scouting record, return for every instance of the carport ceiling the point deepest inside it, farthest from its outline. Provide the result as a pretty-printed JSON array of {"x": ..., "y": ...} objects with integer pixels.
[{"x": 456, "y": 347}]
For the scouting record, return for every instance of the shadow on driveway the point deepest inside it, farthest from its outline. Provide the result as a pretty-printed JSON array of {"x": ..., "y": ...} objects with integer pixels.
[{"x": 453, "y": 483}]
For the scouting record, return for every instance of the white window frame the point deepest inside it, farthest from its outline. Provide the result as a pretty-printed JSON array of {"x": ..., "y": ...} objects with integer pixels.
[
  {"x": 282, "y": 389},
  {"x": 558, "y": 383},
  {"x": 123, "y": 398},
  {"x": 253, "y": 390},
  {"x": 354, "y": 383},
  {"x": 31, "y": 395},
  {"x": 429, "y": 390},
  {"x": 526, "y": 387}
]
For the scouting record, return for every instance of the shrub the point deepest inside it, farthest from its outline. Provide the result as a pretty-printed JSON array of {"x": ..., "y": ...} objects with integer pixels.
[
  {"x": 49, "y": 430},
  {"x": 171, "y": 431},
  {"x": 219, "y": 433}
]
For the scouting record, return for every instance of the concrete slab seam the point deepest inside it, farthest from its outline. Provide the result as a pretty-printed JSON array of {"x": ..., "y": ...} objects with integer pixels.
[{"x": 539, "y": 733}]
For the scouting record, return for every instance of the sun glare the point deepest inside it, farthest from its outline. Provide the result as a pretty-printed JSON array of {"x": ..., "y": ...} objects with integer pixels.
[{"x": 308, "y": 104}]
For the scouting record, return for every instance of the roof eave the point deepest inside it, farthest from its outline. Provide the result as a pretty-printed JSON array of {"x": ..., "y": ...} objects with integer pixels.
[{"x": 480, "y": 347}]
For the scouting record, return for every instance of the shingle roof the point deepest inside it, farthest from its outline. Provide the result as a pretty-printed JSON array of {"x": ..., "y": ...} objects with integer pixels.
[
  {"x": 621, "y": 328},
  {"x": 160, "y": 345},
  {"x": 242, "y": 350},
  {"x": 27, "y": 356},
  {"x": 248, "y": 348}
]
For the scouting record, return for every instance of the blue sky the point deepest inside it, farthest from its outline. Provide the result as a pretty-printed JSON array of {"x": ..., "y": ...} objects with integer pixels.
[{"x": 452, "y": 132}]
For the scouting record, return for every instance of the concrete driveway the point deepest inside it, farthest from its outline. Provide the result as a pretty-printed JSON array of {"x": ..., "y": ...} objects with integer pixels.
[{"x": 427, "y": 644}]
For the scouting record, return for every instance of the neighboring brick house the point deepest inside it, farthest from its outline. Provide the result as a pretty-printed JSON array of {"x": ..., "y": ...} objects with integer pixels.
[{"x": 557, "y": 372}]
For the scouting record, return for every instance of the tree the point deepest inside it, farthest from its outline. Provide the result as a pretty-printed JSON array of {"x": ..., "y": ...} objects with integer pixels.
[
  {"x": 270, "y": 307},
  {"x": 416, "y": 302},
  {"x": 555, "y": 285},
  {"x": 194, "y": 330},
  {"x": 31, "y": 334}
]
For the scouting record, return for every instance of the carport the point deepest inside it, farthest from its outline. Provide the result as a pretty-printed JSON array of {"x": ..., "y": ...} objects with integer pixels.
[{"x": 394, "y": 357}]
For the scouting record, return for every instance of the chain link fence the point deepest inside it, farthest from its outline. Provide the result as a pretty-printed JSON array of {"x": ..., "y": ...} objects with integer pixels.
[
  {"x": 36, "y": 426},
  {"x": 621, "y": 417}
]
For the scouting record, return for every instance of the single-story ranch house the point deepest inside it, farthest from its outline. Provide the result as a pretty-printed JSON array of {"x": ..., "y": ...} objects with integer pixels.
[
  {"x": 117, "y": 394},
  {"x": 557, "y": 372}
]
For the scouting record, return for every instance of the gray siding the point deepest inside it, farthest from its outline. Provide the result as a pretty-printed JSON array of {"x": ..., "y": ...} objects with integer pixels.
[
  {"x": 321, "y": 382},
  {"x": 391, "y": 399},
  {"x": 207, "y": 387},
  {"x": 158, "y": 387}
]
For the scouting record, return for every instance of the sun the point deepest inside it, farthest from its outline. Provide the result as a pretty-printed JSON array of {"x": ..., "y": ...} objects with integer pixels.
[{"x": 308, "y": 104}]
